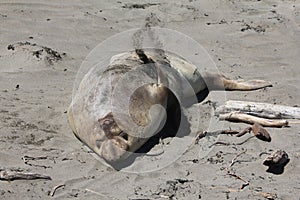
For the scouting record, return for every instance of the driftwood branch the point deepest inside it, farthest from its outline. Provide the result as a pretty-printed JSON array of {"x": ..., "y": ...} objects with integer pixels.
[
  {"x": 264, "y": 110},
  {"x": 241, "y": 117},
  {"x": 8, "y": 175}
]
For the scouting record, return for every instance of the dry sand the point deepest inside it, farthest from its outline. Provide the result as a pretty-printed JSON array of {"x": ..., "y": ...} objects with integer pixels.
[{"x": 245, "y": 38}]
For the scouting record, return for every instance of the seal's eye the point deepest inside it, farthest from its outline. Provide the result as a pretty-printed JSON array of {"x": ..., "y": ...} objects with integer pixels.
[
  {"x": 106, "y": 125},
  {"x": 106, "y": 122}
]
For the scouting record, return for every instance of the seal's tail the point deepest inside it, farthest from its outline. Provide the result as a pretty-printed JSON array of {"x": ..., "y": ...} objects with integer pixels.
[
  {"x": 230, "y": 84},
  {"x": 221, "y": 82}
]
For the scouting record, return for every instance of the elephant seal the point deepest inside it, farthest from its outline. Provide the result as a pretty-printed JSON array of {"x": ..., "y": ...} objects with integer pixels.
[{"x": 91, "y": 113}]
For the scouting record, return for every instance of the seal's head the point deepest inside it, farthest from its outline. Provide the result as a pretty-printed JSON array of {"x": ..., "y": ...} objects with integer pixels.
[
  {"x": 108, "y": 137},
  {"x": 116, "y": 144}
]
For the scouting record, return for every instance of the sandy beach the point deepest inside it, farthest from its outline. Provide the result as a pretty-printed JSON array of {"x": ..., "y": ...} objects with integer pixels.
[{"x": 42, "y": 46}]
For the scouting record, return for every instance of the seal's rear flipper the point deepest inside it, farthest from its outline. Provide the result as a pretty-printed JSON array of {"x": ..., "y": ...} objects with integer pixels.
[{"x": 230, "y": 84}]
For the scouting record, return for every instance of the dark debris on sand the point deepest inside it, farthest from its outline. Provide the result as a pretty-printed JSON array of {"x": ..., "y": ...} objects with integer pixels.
[
  {"x": 50, "y": 55},
  {"x": 139, "y": 6}
]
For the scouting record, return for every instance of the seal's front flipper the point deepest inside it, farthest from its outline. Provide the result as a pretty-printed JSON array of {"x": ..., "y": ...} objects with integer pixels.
[{"x": 230, "y": 84}]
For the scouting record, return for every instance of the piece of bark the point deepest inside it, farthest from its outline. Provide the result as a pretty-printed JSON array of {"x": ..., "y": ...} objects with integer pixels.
[
  {"x": 263, "y": 110},
  {"x": 278, "y": 157},
  {"x": 276, "y": 162},
  {"x": 6, "y": 175},
  {"x": 241, "y": 117}
]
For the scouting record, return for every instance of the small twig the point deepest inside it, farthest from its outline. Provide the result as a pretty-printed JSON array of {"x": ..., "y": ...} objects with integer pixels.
[
  {"x": 237, "y": 177},
  {"x": 262, "y": 153},
  {"x": 243, "y": 132},
  {"x": 243, "y": 142},
  {"x": 246, "y": 183},
  {"x": 229, "y": 132},
  {"x": 235, "y": 157},
  {"x": 220, "y": 143},
  {"x": 228, "y": 144},
  {"x": 55, "y": 188},
  {"x": 13, "y": 175},
  {"x": 212, "y": 133},
  {"x": 199, "y": 136},
  {"x": 26, "y": 160}
]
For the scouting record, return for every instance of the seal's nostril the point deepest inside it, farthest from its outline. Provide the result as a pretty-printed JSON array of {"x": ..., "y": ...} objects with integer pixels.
[{"x": 124, "y": 135}]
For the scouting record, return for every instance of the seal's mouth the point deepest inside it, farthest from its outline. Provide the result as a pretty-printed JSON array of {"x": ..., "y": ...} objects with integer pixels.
[
  {"x": 116, "y": 144},
  {"x": 110, "y": 127},
  {"x": 123, "y": 135}
]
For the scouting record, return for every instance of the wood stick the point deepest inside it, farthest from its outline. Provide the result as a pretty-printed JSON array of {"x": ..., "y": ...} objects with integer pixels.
[
  {"x": 263, "y": 110},
  {"x": 227, "y": 143},
  {"x": 15, "y": 175},
  {"x": 228, "y": 169},
  {"x": 203, "y": 134},
  {"x": 236, "y": 157},
  {"x": 240, "y": 117},
  {"x": 294, "y": 121},
  {"x": 55, "y": 188}
]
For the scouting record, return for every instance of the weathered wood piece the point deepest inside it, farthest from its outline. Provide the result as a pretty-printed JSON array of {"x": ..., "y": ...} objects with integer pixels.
[
  {"x": 278, "y": 157},
  {"x": 264, "y": 110},
  {"x": 8, "y": 175},
  {"x": 277, "y": 161},
  {"x": 241, "y": 117}
]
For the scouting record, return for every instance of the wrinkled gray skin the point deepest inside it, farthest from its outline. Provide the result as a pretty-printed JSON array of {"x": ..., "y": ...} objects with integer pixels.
[{"x": 91, "y": 115}]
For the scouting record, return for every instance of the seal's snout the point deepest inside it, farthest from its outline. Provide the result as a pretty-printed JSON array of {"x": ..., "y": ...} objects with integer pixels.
[
  {"x": 112, "y": 150},
  {"x": 115, "y": 146}
]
